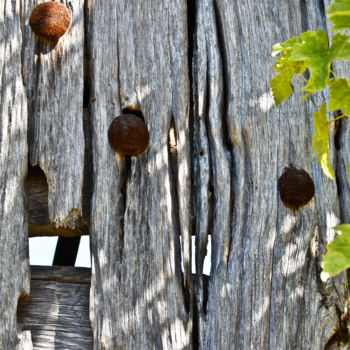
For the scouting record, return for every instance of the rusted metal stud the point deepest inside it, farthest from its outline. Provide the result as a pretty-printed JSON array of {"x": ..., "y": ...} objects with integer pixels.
[
  {"x": 50, "y": 20},
  {"x": 296, "y": 187},
  {"x": 128, "y": 135}
]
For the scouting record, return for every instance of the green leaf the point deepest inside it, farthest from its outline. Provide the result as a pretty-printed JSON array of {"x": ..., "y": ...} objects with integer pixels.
[
  {"x": 337, "y": 257},
  {"x": 283, "y": 47},
  {"x": 276, "y": 49},
  {"x": 281, "y": 84},
  {"x": 340, "y": 49},
  {"x": 339, "y": 14},
  {"x": 339, "y": 96},
  {"x": 320, "y": 142},
  {"x": 312, "y": 47}
]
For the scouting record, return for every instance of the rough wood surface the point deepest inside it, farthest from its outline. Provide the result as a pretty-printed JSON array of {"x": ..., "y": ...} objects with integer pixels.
[
  {"x": 216, "y": 152},
  {"x": 39, "y": 224},
  {"x": 54, "y": 79},
  {"x": 342, "y": 146},
  {"x": 264, "y": 288},
  {"x": 57, "y": 312},
  {"x": 138, "y": 59},
  {"x": 14, "y": 265}
]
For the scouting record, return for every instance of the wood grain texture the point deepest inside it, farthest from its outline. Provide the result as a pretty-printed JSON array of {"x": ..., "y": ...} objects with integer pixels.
[
  {"x": 54, "y": 79},
  {"x": 14, "y": 264},
  {"x": 57, "y": 312},
  {"x": 342, "y": 132},
  {"x": 213, "y": 171},
  {"x": 138, "y": 59},
  {"x": 39, "y": 224},
  {"x": 264, "y": 289}
]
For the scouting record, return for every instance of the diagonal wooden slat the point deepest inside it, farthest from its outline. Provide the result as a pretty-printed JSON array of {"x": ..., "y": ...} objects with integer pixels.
[{"x": 66, "y": 251}]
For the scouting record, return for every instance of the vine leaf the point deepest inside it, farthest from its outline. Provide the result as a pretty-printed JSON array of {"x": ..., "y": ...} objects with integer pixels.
[
  {"x": 337, "y": 257},
  {"x": 340, "y": 49},
  {"x": 339, "y": 96},
  {"x": 281, "y": 84},
  {"x": 320, "y": 142},
  {"x": 284, "y": 47},
  {"x": 312, "y": 47},
  {"x": 339, "y": 14},
  {"x": 310, "y": 50}
]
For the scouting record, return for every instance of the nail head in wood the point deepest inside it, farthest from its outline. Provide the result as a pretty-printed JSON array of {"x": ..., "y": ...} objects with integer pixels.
[
  {"x": 50, "y": 20},
  {"x": 296, "y": 187},
  {"x": 128, "y": 135}
]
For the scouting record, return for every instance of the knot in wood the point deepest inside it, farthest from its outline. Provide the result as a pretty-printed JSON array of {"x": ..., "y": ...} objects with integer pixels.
[
  {"x": 50, "y": 20},
  {"x": 128, "y": 135},
  {"x": 296, "y": 187}
]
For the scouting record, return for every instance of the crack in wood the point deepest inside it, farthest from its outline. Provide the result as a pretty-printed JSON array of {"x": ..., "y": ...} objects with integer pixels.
[
  {"x": 227, "y": 142},
  {"x": 341, "y": 336}
]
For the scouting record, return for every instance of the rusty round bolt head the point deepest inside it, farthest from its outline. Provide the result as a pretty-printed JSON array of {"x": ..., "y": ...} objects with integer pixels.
[
  {"x": 296, "y": 187},
  {"x": 128, "y": 135},
  {"x": 50, "y": 20}
]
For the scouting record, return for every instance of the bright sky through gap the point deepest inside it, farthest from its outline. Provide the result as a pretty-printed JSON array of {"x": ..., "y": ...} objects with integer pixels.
[
  {"x": 83, "y": 257},
  {"x": 42, "y": 250}
]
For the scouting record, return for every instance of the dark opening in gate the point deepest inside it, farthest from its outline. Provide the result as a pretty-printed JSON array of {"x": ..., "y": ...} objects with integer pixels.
[
  {"x": 56, "y": 313},
  {"x": 48, "y": 245}
]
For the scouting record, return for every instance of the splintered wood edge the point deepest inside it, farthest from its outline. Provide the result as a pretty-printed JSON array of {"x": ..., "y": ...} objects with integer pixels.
[{"x": 50, "y": 230}]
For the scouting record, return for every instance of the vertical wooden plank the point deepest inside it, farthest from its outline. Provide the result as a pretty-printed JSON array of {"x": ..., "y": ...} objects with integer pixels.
[
  {"x": 14, "y": 265},
  {"x": 264, "y": 290},
  {"x": 138, "y": 59},
  {"x": 342, "y": 131},
  {"x": 212, "y": 157},
  {"x": 53, "y": 75}
]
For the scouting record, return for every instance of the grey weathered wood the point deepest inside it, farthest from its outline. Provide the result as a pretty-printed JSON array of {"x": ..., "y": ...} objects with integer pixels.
[
  {"x": 36, "y": 189},
  {"x": 39, "y": 224},
  {"x": 264, "y": 290},
  {"x": 57, "y": 312},
  {"x": 14, "y": 266},
  {"x": 343, "y": 139},
  {"x": 138, "y": 59},
  {"x": 54, "y": 79}
]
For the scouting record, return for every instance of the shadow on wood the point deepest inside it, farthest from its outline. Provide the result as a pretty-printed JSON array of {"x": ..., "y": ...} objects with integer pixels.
[
  {"x": 57, "y": 311},
  {"x": 39, "y": 224}
]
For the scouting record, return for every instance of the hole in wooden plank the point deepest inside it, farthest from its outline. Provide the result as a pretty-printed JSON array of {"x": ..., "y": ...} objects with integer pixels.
[
  {"x": 36, "y": 189},
  {"x": 207, "y": 259},
  {"x": 137, "y": 113}
]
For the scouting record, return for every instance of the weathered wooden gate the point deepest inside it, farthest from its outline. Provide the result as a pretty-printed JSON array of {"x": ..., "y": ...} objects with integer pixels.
[{"x": 199, "y": 73}]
